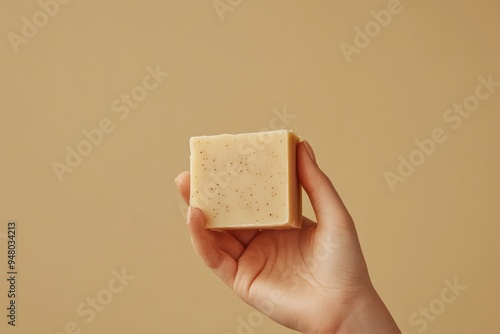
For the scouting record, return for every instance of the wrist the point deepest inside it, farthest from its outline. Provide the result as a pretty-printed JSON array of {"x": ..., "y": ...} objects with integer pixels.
[
  {"x": 370, "y": 315},
  {"x": 366, "y": 314}
]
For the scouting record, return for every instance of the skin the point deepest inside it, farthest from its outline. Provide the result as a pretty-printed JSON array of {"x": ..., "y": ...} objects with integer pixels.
[{"x": 314, "y": 279}]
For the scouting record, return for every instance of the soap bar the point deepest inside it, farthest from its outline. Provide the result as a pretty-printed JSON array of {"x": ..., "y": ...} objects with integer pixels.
[{"x": 247, "y": 181}]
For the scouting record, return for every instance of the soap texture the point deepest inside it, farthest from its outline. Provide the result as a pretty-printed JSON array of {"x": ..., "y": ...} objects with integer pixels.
[{"x": 247, "y": 180}]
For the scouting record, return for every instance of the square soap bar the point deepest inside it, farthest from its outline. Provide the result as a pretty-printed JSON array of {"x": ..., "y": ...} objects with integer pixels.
[{"x": 247, "y": 180}]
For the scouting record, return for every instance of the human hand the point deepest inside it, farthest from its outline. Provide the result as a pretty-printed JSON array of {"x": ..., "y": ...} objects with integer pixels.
[{"x": 313, "y": 279}]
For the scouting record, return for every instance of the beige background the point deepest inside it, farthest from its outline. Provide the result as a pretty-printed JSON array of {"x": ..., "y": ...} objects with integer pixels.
[{"x": 119, "y": 207}]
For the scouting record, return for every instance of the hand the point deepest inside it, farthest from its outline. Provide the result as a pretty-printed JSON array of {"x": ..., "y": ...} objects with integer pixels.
[{"x": 313, "y": 279}]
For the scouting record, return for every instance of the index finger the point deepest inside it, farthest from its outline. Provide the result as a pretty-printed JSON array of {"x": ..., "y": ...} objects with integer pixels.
[{"x": 182, "y": 182}]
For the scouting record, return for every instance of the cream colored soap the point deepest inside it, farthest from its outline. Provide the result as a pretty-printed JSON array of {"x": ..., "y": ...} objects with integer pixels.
[{"x": 247, "y": 180}]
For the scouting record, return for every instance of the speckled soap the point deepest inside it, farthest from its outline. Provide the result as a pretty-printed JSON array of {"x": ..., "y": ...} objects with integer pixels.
[{"x": 247, "y": 180}]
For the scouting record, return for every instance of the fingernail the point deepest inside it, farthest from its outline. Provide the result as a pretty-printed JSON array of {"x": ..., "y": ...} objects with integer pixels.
[
  {"x": 310, "y": 151},
  {"x": 189, "y": 214}
]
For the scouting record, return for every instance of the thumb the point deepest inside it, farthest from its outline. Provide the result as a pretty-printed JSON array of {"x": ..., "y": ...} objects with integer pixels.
[{"x": 328, "y": 207}]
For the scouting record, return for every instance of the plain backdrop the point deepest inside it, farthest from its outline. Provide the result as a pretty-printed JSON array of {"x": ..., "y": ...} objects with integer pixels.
[{"x": 363, "y": 93}]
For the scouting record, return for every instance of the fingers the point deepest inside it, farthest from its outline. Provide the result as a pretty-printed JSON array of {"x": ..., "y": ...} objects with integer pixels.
[
  {"x": 327, "y": 205},
  {"x": 244, "y": 236},
  {"x": 182, "y": 182},
  {"x": 218, "y": 250},
  {"x": 307, "y": 222}
]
